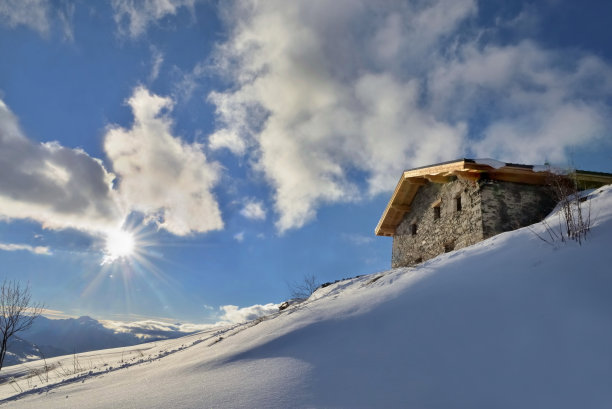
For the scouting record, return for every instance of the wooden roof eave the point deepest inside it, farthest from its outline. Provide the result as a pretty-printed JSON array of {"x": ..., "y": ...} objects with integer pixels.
[
  {"x": 406, "y": 189},
  {"x": 409, "y": 184},
  {"x": 399, "y": 204}
]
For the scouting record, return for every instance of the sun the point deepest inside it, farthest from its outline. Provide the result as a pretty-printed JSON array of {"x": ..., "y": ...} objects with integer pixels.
[{"x": 119, "y": 245}]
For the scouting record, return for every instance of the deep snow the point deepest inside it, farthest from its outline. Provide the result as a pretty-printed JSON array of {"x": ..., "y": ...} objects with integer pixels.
[{"x": 512, "y": 322}]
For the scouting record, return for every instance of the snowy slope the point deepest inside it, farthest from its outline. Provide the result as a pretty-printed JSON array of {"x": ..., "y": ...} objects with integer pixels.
[{"x": 512, "y": 322}]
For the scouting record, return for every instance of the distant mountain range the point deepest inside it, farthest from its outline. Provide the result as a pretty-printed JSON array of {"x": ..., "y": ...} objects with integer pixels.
[{"x": 53, "y": 337}]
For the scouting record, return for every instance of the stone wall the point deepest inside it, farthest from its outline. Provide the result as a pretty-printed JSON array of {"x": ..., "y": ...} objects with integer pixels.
[
  {"x": 488, "y": 207},
  {"x": 454, "y": 228},
  {"x": 507, "y": 206}
]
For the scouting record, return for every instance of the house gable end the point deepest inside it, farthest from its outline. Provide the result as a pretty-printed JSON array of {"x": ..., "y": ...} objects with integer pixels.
[{"x": 433, "y": 235}]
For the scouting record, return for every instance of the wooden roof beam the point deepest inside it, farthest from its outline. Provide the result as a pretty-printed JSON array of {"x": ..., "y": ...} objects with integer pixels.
[
  {"x": 385, "y": 231},
  {"x": 439, "y": 178},
  {"x": 418, "y": 181},
  {"x": 529, "y": 178},
  {"x": 400, "y": 207},
  {"x": 436, "y": 169},
  {"x": 467, "y": 175}
]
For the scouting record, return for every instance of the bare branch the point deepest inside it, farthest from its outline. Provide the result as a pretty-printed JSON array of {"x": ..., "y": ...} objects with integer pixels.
[
  {"x": 574, "y": 219},
  {"x": 304, "y": 288},
  {"x": 17, "y": 312}
]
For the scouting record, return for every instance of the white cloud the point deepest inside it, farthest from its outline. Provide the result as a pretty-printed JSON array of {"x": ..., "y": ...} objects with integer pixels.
[
  {"x": 326, "y": 93},
  {"x": 316, "y": 103},
  {"x": 230, "y": 314},
  {"x": 31, "y": 13},
  {"x": 157, "y": 61},
  {"x": 542, "y": 104},
  {"x": 188, "y": 82},
  {"x": 133, "y": 16},
  {"x": 239, "y": 237},
  {"x": 253, "y": 210},
  {"x": 229, "y": 140},
  {"x": 42, "y": 250},
  {"x": 357, "y": 239},
  {"x": 56, "y": 186},
  {"x": 65, "y": 14},
  {"x": 160, "y": 175},
  {"x": 154, "y": 329},
  {"x": 234, "y": 314},
  {"x": 39, "y": 15},
  {"x": 56, "y": 314}
]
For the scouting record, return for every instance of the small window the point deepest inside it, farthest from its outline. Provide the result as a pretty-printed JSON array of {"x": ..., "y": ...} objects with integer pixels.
[
  {"x": 450, "y": 246},
  {"x": 436, "y": 212},
  {"x": 418, "y": 260},
  {"x": 413, "y": 229},
  {"x": 458, "y": 203}
]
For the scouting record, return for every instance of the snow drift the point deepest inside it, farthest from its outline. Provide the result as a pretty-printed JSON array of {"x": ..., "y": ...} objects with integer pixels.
[{"x": 511, "y": 322}]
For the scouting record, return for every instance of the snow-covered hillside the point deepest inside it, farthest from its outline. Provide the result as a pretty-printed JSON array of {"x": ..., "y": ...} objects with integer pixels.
[{"x": 513, "y": 322}]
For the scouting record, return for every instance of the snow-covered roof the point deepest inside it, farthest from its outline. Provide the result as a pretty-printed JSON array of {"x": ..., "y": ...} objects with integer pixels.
[{"x": 470, "y": 169}]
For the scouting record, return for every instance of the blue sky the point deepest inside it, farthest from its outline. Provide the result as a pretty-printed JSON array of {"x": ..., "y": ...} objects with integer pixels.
[{"x": 246, "y": 144}]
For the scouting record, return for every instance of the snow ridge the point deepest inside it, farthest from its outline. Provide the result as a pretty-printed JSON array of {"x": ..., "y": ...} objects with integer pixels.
[{"x": 510, "y": 322}]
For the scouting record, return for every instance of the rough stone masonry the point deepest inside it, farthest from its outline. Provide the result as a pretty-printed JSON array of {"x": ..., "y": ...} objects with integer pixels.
[{"x": 459, "y": 213}]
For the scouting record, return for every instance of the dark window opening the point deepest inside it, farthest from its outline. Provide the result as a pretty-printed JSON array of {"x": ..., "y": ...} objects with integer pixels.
[
  {"x": 436, "y": 212},
  {"x": 449, "y": 247},
  {"x": 413, "y": 229},
  {"x": 418, "y": 260},
  {"x": 458, "y": 203}
]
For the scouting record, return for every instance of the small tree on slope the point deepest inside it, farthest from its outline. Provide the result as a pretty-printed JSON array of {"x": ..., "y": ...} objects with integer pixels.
[
  {"x": 304, "y": 288},
  {"x": 576, "y": 217},
  {"x": 17, "y": 313}
]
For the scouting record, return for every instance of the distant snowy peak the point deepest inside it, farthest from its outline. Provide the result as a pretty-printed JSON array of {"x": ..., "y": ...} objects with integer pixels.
[{"x": 53, "y": 337}]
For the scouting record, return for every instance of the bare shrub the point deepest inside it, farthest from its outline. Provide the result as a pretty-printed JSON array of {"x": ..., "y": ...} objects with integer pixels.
[
  {"x": 76, "y": 365},
  {"x": 304, "y": 288},
  {"x": 16, "y": 387},
  {"x": 45, "y": 370},
  {"x": 575, "y": 210}
]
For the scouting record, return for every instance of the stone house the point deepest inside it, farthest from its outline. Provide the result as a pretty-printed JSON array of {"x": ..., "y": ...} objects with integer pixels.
[{"x": 446, "y": 206}]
